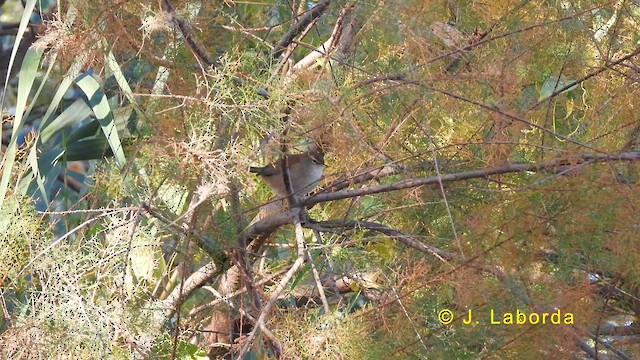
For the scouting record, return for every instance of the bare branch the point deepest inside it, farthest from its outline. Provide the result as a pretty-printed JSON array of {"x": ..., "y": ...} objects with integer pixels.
[
  {"x": 509, "y": 168},
  {"x": 305, "y": 20},
  {"x": 194, "y": 282},
  {"x": 316, "y": 278},
  {"x": 326, "y": 49},
  {"x": 281, "y": 286},
  {"x": 254, "y": 235},
  {"x": 196, "y": 310},
  {"x": 187, "y": 34},
  {"x": 205, "y": 242},
  {"x": 198, "y": 50}
]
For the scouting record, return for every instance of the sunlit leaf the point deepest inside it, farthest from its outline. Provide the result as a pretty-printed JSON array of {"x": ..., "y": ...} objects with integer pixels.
[
  {"x": 29, "y": 68},
  {"x": 102, "y": 111},
  {"x": 555, "y": 83}
]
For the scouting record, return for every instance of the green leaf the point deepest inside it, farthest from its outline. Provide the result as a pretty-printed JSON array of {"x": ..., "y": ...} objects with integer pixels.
[
  {"x": 89, "y": 149},
  {"x": 385, "y": 249},
  {"x": 102, "y": 111},
  {"x": 24, "y": 21},
  {"x": 73, "y": 114},
  {"x": 33, "y": 162},
  {"x": 28, "y": 73},
  {"x": 116, "y": 71},
  {"x": 555, "y": 83},
  {"x": 301, "y": 274}
]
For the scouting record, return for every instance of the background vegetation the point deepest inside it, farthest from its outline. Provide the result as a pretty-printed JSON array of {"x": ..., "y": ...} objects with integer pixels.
[{"x": 480, "y": 156}]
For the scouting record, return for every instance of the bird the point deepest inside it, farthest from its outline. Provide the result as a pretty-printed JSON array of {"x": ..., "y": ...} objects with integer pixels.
[{"x": 305, "y": 172}]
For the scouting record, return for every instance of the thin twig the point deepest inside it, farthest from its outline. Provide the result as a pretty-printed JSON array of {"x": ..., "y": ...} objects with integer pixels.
[
  {"x": 330, "y": 272},
  {"x": 198, "y": 50},
  {"x": 607, "y": 66},
  {"x": 326, "y": 48},
  {"x": 196, "y": 310},
  {"x": 281, "y": 286},
  {"x": 187, "y": 34},
  {"x": 206, "y": 243},
  {"x": 316, "y": 278},
  {"x": 225, "y": 299}
]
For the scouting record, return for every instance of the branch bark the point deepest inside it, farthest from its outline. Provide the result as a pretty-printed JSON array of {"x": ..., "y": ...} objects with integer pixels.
[
  {"x": 299, "y": 26},
  {"x": 505, "y": 169},
  {"x": 342, "y": 28},
  {"x": 187, "y": 34}
]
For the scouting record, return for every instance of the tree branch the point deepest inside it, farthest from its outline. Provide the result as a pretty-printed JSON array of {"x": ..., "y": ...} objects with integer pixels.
[
  {"x": 194, "y": 282},
  {"x": 313, "y": 13},
  {"x": 187, "y": 34},
  {"x": 254, "y": 235},
  {"x": 509, "y": 168},
  {"x": 327, "y": 48},
  {"x": 300, "y": 260}
]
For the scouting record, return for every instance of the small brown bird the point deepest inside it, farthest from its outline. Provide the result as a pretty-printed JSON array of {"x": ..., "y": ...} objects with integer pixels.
[{"x": 305, "y": 172}]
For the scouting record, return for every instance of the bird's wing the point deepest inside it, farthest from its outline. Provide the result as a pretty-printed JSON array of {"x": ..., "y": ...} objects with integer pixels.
[{"x": 268, "y": 170}]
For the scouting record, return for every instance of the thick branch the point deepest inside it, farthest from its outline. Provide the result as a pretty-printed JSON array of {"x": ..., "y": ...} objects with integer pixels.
[
  {"x": 327, "y": 48},
  {"x": 262, "y": 229},
  {"x": 253, "y": 235},
  {"x": 304, "y": 21},
  {"x": 187, "y": 34},
  {"x": 300, "y": 260},
  {"x": 391, "y": 168},
  {"x": 505, "y": 169},
  {"x": 194, "y": 282}
]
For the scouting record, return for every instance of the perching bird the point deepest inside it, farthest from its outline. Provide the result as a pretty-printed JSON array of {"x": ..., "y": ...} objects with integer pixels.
[{"x": 305, "y": 172}]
